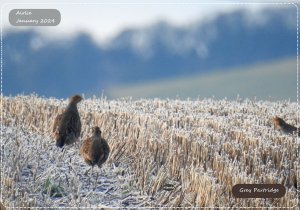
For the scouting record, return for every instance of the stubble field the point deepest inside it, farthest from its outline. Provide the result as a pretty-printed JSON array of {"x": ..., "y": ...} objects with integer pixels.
[{"x": 164, "y": 153}]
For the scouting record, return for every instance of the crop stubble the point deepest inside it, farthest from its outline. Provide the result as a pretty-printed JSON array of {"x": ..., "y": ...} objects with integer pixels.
[{"x": 173, "y": 152}]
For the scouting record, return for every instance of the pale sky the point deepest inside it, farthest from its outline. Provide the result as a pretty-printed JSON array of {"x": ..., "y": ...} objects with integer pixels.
[{"x": 106, "y": 19}]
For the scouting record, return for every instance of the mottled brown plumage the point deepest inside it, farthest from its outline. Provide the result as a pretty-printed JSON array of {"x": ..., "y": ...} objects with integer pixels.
[
  {"x": 67, "y": 126},
  {"x": 280, "y": 124},
  {"x": 95, "y": 149}
]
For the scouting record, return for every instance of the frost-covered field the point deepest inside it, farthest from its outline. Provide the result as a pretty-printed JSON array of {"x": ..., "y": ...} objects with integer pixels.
[{"x": 164, "y": 153}]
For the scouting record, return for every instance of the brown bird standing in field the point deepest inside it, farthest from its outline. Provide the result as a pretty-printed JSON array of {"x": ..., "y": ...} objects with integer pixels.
[
  {"x": 280, "y": 124},
  {"x": 95, "y": 149},
  {"x": 67, "y": 126}
]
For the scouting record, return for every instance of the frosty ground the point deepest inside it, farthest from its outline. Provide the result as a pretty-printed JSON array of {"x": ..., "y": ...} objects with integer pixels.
[
  {"x": 164, "y": 153},
  {"x": 38, "y": 167}
]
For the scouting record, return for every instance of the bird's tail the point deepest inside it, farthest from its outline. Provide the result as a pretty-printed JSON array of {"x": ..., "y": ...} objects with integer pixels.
[{"x": 60, "y": 140}]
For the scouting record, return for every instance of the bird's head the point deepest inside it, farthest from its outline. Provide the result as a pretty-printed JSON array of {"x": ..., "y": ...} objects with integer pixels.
[
  {"x": 96, "y": 131},
  {"x": 278, "y": 121},
  {"x": 75, "y": 99}
]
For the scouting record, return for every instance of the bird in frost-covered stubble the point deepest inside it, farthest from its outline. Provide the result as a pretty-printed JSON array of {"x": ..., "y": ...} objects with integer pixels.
[
  {"x": 95, "y": 149},
  {"x": 67, "y": 126},
  {"x": 280, "y": 124}
]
